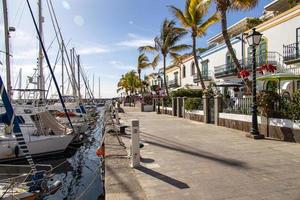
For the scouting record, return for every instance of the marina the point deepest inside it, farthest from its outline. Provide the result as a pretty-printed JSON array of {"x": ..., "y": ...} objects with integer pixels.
[{"x": 149, "y": 100}]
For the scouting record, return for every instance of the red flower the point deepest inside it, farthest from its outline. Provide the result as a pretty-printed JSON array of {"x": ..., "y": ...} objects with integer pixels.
[
  {"x": 244, "y": 73},
  {"x": 267, "y": 67}
]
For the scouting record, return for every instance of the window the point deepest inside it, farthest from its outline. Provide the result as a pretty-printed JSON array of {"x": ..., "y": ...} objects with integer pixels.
[
  {"x": 176, "y": 77},
  {"x": 183, "y": 72},
  {"x": 229, "y": 61},
  {"x": 261, "y": 52},
  {"x": 193, "y": 71},
  {"x": 205, "y": 68},
  {"x": 298, "y": 84}
]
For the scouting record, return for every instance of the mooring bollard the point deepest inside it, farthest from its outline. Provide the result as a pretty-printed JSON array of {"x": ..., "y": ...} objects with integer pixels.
[{"x": 135, "y": 143}]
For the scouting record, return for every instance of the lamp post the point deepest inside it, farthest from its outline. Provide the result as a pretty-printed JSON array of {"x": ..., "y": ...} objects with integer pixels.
[
  {"x": 157, "y": 92},
  {"x": 253, "y": 40}
]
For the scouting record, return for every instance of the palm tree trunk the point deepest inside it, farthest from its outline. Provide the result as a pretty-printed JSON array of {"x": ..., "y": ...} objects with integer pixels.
[
  {"x": 165, "y": 79},
  {"x": 230, "y": 48},
  {"x": 197, "y": 63},
  {"x": 227, "y": 40}
]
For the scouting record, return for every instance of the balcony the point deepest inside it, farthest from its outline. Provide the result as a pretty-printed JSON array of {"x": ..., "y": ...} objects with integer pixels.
[
  {"x": 291, "y": 53},
  {"x": 230, "y": 69},
  {"x": 173, "y": 83},
  {"x": 207, "y": 76}
]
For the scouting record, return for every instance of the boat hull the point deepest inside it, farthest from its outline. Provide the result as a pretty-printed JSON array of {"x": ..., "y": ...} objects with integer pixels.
[{"x": 38, "y": 146}]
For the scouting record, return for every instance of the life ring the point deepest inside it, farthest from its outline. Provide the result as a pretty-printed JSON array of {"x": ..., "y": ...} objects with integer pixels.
[
  {"x": 100, "y": 152},
  {"x": 17, "y": 151}
]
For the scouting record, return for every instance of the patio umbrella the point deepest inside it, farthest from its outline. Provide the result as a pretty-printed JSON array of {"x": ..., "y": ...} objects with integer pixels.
[
  {"x": 279, "y": 77},
  {"x": 228, "y": 84}
]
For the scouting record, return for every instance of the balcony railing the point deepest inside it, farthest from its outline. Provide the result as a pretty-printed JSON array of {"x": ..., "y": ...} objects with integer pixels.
[
  {"x": 206, "y": 75},
  {"x": 291, "y": 53},
  {"x": 173, "y": 83},
  {"x": 230, "y": 69}
]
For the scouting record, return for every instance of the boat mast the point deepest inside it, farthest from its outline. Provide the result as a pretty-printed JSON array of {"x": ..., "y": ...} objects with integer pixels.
[
  {"x": 78, "y": 73},
  {"x": 20, "y": 83},
  {"x": 93, "y": 84},
  {"x": 62, "y": 69},
  {"x": 99, "y": 88},
  {"x": 41, "y": 79},
  {"x": 7, "y": 50}
]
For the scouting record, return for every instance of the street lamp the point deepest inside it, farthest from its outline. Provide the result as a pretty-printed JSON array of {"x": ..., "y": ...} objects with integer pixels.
[
  {"x": 158, "y": 93},
  {"x": 253, "y": 40}
]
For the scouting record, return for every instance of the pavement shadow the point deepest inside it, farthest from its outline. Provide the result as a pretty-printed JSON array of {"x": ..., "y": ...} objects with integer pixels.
[
  {"x": 147, "y": 160},
  {"x": 167, "y": 179},
  {"x": 175, "y": 146}
]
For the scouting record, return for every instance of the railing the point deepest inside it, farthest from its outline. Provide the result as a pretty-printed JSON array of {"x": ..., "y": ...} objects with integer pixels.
[
  {"x": 207, "y": 76},
  {"x": 230, "y": 69},
  {"x": 237, "y": 105},
  {"x": 291, "y": 52},
  {"x": 173, "y": 83}
]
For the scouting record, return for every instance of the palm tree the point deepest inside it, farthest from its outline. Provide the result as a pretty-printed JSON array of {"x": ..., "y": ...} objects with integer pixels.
[
  {"x": 223, "y": 6},
  {"x": 129, "y": 82},
  {"x": 192, "y": 20},
  {"x": 143, "y": 62},
  {"x": 165, "y": 44}
]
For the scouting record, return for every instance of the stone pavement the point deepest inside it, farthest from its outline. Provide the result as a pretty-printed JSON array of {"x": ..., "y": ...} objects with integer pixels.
[{"x": 183, "y": 159}]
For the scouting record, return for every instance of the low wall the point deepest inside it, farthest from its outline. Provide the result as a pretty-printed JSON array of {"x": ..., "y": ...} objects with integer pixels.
[
  {"x": 284, "y": 129},
  {"x": 195, "y": 115},
  {"x": 166, "y": 111},
  {"x": 236, "y": 121}
]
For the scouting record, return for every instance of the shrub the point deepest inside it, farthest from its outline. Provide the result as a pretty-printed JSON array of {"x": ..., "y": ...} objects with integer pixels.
[
  {"x": 193, "y": 104},
  {"x": 294, "y": 106},
  {"x": 187, "y": 93},
  {"x": 266, "y": 101},
  {"x": 167, "y": 101},
  {"x": 153, "y": 87},
  {"x": 148, "y": 100}
]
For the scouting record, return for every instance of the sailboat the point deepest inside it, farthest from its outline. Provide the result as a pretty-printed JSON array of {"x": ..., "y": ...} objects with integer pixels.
[
  {"x": 42, "y": 132},
  {"x": 19, "y": 187}
]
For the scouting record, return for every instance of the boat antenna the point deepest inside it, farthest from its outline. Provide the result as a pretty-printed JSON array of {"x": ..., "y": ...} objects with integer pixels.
[{"x": 49, "y": 65}]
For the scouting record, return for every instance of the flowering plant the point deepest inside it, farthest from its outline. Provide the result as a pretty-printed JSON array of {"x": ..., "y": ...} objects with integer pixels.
[
  {"x": 244, "y": 73},
  {"x": 267, "y": 68}
]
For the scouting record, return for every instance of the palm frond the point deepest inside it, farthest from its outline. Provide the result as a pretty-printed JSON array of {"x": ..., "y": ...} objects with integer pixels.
[
  {"x": 243, "y": 4},
  {"x": 147, "y": 48},
  {"x": 180, "y": 16},
  {"x": 210, "y": 21},
  {"x": 155, "y": 61},
  {"x": 180, "y": 47}
]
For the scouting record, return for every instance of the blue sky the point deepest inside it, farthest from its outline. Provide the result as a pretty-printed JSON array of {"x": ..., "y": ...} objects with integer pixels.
[{"x": 106, "y": 33}]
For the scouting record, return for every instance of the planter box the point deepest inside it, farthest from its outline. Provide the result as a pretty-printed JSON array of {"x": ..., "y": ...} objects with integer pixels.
[{"x": 147, "y": 108}]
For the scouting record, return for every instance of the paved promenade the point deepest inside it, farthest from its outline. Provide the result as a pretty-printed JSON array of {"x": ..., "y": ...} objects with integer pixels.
[{"x": 183, "y": 159}]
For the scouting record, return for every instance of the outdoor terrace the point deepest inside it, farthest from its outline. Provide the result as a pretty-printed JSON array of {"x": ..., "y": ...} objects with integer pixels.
[
  {"x": 207, "y": 76},
  {"x": 173, "y": 83},
  {"x": 291, "y": 53},
  {"x": 229, "y": 69}
]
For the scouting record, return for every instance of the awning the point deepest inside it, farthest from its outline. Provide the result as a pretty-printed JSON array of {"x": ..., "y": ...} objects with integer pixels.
[
  {"x": 229, "y": 84},
  {"x": 279, "y": 77}
]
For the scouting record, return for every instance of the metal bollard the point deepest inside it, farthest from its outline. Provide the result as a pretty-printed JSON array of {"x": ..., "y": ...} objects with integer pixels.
[{"x": 135, "y": 143}]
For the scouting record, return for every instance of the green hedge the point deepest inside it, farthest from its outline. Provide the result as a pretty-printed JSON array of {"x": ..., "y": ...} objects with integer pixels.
[
  {"x": 187, "y": 93},
  {"x": 193, "y": 104}
]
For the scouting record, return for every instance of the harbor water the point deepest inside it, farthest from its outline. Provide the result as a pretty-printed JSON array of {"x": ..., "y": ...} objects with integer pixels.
[{"x": 79, "y": 169}]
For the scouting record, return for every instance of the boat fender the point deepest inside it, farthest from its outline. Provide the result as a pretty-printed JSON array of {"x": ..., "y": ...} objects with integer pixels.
[
  {"x": 54, "y": 187},
  {"x": 100, "y": 152},
  {"x": 17, "y": 151}
]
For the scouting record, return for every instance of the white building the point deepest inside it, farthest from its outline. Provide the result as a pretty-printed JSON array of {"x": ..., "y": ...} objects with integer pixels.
[{"x": 279, "y": 46}]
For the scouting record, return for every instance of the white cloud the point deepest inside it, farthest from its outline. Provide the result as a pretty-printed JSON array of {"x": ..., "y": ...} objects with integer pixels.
[
  {"x": 93, "y": 50},
  {"x": 135, "y": 41},
  {"x": 119, "y": 65}
]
